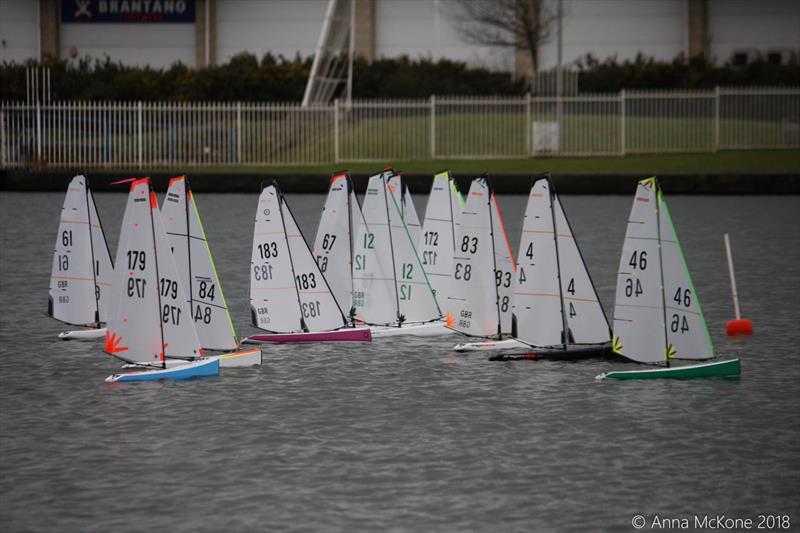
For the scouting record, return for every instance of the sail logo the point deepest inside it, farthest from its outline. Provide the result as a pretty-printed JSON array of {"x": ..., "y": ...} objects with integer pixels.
[
  {"x": 83, "y": 9},
  {"x": 128, "y": 11}
]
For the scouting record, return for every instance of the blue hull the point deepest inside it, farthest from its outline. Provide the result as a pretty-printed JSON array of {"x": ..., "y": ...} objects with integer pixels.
[{"x": 204, "y": 368}]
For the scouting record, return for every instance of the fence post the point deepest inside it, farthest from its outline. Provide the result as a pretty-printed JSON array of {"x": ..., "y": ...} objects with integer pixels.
[
  {"x": 336, "y": 157},
  {"x": 716, "y": 118},
  {"x": 238, "y": 133},
  {"x": 139, "y": 144},
  {"x": 433, "y": 126},
  {"x": 528, "y": 125},
  {"x": 3, "y": 160},
  {"x": 38, "y": 133},
  {"x": 622, "y": 139}
]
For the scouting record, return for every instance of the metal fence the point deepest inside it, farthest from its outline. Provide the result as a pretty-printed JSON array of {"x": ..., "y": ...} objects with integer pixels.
[{"x": 147, "y": 135}]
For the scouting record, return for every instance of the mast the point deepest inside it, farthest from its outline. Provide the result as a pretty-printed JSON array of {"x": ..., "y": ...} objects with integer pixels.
[
  {"x": 657, "y": 188},
  {"x": 391, "y": 246},
  {"x": 158, "y": 278},
  {"x": 289, "y": 251},
  {"x": 187, "y": 196},
  {"x": 91, "y": 249},
  {"x": 348, "y": 192},
  {"x": 350, "y": 233},
  {"x": 494, "y": 259},
  {"x": 564, "y": 327},
  {"x": 450, "y": 201}
]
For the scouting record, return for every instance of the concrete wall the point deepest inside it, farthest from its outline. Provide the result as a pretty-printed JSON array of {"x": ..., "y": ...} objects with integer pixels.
[
  {"x": 19, "y": 30},
  {"x": 427, "y": 29},
  {"x": 282, "y": 27},
  {"x": 745, "y": 24},
  {"x": 417, "y": 28},
  {"x": 621, "y": 28}
]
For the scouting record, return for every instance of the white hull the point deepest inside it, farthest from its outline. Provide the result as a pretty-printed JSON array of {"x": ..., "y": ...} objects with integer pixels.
[
  {"x": 428, "y": 329},
  {"x": 511, "y": 345},
  {"x": 239, "y": 359},
  {"x": 83, "y": 334}
]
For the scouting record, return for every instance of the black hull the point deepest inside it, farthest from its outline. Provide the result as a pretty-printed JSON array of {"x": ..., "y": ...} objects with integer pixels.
[{"x": 572, "y": 353}]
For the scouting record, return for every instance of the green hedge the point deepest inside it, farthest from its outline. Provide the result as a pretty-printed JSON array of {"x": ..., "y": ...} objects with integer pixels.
[
  {"x": 245, "y": 78},
  {"x": 647, "y": 73}
]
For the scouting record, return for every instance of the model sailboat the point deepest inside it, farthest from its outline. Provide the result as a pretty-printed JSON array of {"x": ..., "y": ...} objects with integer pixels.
[
  {"x": 391, "y": 292},
  {"x": 333, "y": 246},
  {"x": 198, "y": 276},
  {"x": 289, "y": 295},
  {"x": 657, "y": 314},
  {"x": 80, "y": 282},
  {"x": 436, "y": 246},
  {"x": 480, "y": 298},
  {"x": 557, "y": 313},
  {"x": 151, "y": 321}
]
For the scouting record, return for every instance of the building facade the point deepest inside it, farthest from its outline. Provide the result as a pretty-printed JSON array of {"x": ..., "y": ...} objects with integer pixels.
[{"x": 204, "y": 32}]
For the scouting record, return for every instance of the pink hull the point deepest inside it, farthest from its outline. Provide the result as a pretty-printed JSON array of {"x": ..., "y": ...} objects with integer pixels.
[{"x": 340, "y": 335}]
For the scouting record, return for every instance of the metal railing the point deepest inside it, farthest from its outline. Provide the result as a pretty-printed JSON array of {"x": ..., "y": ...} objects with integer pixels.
[{"x": 146, "y": 135}]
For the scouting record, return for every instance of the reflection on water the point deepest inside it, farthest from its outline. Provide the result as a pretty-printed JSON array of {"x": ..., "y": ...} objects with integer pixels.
[{"x": 402, "y": 434}]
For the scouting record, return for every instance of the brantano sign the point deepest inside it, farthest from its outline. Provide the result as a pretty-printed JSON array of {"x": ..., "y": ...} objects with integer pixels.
[{"x": 127, "y": 11}]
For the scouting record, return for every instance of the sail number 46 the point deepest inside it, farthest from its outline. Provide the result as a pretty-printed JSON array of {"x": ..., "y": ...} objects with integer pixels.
[{"x": 638, "y": 260}]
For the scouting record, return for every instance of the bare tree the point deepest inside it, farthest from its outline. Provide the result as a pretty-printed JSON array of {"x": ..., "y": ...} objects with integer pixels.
[{"x": 519, "y": 24}]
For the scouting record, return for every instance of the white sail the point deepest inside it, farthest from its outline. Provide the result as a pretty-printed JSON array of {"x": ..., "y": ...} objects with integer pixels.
[
  {"x": 77, "y": 270},
  {"x": 103, "y": 267},
  {"x": 410, "y": 217},
  {"x": 333, "y": 246},
  {"x": 472, "y": 303},
  {"x": 151, "y": 318},
  {"x": 505, "y": 267},
  {"x": 537, "y": 298},
  {"x": 437, "y": 243},
  {"x": 318, "y": 307},
  {"x": 374, "y": 290},
  {"x": 408, "y": 211},
  {"x": 639, "y": 329},
  {"x": 180, "y": 335},
  {"x": 196, "y": 269},
  {"x": 273, "y": 295},
  {"x": 586, "y": 319},
  {"x": 416, "y": 300},
  {"x": 687, "y": 332}
]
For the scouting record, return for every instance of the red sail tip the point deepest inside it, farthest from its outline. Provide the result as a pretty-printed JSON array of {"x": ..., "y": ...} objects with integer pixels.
[
  {"x": 137, "y": 182},
  {"x": 153, "y": 200},
  {"x": 176, "y": 178}
]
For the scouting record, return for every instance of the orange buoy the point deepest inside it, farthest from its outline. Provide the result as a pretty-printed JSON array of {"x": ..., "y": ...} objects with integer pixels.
[{"x": 739, "y": 325}]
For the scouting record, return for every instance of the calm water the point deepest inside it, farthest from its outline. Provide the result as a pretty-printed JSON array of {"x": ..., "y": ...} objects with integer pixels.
[{"x": 402, "y": 435}]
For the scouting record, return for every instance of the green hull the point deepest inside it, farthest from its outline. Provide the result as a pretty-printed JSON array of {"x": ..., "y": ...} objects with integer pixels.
[{"x": 727, "y": 368}]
